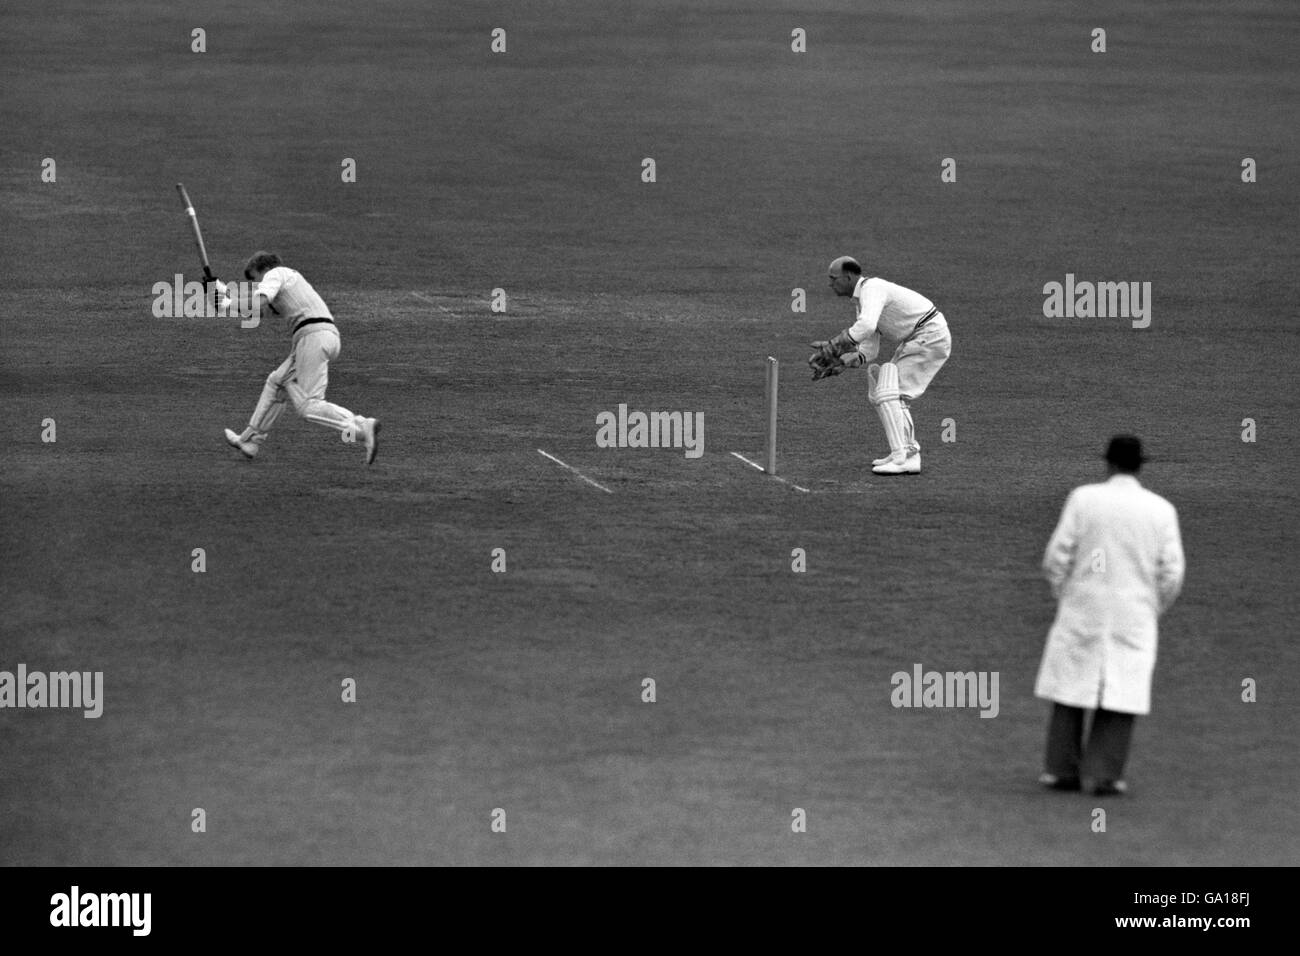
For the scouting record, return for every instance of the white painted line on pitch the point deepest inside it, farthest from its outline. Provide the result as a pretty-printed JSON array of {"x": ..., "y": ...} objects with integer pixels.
[
  {"x": 578, "y": 473},
  {"x": 431, "y": 302},
  {"x": 747, "y": 461},
  {"x": 754, "y": 464}
]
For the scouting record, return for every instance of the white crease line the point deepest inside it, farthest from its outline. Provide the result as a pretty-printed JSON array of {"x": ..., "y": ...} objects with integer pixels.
[
  {"x": 755, "y": 464},
  {"x": 431, "y": 302},
  {"x": 576, "y": 472}
]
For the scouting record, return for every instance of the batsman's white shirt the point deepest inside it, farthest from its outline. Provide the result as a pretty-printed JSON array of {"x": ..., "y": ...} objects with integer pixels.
[
  {"x": 291, "y": 296},
  {"x": 887, "y": 310}
]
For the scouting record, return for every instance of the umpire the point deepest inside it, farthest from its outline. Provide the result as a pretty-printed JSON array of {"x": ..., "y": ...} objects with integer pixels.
[{"x": 1115, "y": 564}]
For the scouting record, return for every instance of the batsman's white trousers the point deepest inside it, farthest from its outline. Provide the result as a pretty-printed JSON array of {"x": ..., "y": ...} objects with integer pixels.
[
  {"x": 920, "y": 357},
  {"x": 302, "y": 379}
]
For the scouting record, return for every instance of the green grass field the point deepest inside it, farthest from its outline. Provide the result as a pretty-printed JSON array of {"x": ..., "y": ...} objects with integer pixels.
[{"x": 521, "y": 171}]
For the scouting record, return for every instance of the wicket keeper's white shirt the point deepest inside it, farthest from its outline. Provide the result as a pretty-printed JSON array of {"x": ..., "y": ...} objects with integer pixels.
[
  {"x": 886, "y": 309},
  {"x": 292, "y": 297}
]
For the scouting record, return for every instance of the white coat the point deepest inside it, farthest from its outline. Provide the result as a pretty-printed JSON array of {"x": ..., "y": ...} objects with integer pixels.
[{"x": 1115, "y": 563}]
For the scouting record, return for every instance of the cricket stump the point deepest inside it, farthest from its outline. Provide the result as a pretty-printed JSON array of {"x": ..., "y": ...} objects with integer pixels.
[{"x": 769, "y": 459}]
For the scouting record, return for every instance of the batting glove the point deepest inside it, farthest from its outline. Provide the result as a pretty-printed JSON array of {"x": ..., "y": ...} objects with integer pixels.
[{"x": 223, "y": 294}]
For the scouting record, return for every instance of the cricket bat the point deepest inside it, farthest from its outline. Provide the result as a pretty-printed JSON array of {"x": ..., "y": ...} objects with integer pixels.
[{"x": 198, "y": 234}]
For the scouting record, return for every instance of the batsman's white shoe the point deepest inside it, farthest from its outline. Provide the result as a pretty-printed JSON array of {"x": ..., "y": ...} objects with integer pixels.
[
  {"x": 911, "y": 465},
  {"x": 249, "y": 448},
  {"x": 370, "y": 435}
]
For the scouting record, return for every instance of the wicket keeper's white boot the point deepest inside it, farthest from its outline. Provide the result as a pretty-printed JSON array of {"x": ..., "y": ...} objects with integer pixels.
[
  {"x": 900, "y": 465},
  {"x": 249, "y": 448},
  {"x": 914, "y": 449}
]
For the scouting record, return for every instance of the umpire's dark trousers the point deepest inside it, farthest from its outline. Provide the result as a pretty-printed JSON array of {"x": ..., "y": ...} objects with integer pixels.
[{"x": 1107, "y": 749}]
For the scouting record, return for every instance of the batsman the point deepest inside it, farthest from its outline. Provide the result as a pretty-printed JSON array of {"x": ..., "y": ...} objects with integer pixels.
[
  {"x": 303, "y": 377},
  {"x": 922, "y": 343}
]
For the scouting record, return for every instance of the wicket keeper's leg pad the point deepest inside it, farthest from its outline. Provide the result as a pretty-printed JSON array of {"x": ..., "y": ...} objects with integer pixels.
[{"x": 885, "y": 398}]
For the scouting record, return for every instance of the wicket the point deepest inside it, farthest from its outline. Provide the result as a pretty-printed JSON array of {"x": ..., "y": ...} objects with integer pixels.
[{"x": 770, "y": 458}]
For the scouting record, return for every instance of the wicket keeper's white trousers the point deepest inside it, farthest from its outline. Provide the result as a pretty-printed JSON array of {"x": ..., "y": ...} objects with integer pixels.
[
  {"x": 920, "y": 358},
  {"x": 302, "y": 379}
]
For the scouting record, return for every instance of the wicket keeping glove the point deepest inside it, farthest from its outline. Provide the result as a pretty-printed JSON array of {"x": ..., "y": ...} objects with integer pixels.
[
  {"x": 823, "y": 362},
  {"x": 853, "y": 359},
  {"x": 825, "y": 352},
  {"x": 824, "y": 368},
  {"x": 843, "y": 343}
]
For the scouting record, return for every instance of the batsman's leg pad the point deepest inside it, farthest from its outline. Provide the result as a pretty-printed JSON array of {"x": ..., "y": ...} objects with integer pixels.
[
  {"x": 268, "y": 408},
  {"x": 320, "y": 411},
  {"x": 332, "y": 416}
]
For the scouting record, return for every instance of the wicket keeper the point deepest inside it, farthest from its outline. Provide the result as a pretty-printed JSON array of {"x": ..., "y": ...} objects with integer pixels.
[{"x": 922, "y": 343}]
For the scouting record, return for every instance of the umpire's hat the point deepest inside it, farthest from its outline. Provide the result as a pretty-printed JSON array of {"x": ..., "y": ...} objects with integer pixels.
[{"x": 1125, "y": 452}]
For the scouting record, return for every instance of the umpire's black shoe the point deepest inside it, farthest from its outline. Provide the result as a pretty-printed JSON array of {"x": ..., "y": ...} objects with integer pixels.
[
  {"x": 1109, "y": 788},
  {"x": 1052, "y": 782}
]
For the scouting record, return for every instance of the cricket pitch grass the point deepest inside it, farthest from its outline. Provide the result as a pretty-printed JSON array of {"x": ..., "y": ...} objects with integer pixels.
[{"x": 522, "y": 690}]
